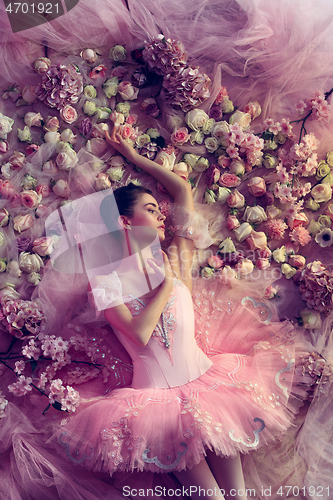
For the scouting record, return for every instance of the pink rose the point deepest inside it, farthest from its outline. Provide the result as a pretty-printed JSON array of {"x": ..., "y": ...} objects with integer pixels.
[
  {"x": 98, "y": 71},
  {"x": 30, "y": 198},
  {"x": 180, "y": 136},
  {"x": 215, "y": 262},
  {"x": 29, "y": 95},
  {"x": 32, "y": 119},
  {"x": 43, "y": 246},
  {"x": 96, "y": 146},
  {"x": 271, "y": 292},
  {"x": 227, "y": 275},
  {"x": 4, "y": 146},
  {"x": 42, "y": 65},
  {"x": 257, "y": 186},
  {"x": 43, "y": 190},
  {"x": 50, "y": 167},
  {"x": 17, "y": 160},
  {"x": 253, "y": 108},
  {"x": 244, "y": 267},
  {"x": 299, "y": 220},
  {"x": 128, "y": 132},
  {"x": 265, "y": 253},
  {"x": 42, "y": 211},
  {"x": 23, "y": 222},
  {"x": 223, "y": 161},
  {"x": 4, "y": 217},
  {"x": 51, "y": 124},
  {"x": 232, "y": 222},
  {"x": 68, "y": 114},
  {"x": 212, "y": 174},
  {"x": 6, "y": 189},
  {"x": 257, "y": 240},
  {"x": 61, "y": 188},
  {"x": 229, "y": 180},
  {"x": 132, "y": 119},
  {"x": 127, "y": 91},
  {"x": 236, "y": 200},
  {"x": 31, "y": 148},
  {"x": 297, "y": 261},
  {"x": 102, "y": 181},
  {"x": 262, "y": 263},
  {"x": 117, "y": 118}
]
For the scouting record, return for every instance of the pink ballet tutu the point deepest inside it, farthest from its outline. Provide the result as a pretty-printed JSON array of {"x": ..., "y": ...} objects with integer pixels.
[{"x": 240, "y": 403}]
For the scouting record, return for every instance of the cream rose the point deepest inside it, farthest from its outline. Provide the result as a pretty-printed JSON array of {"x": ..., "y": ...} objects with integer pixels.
[
  {"x": 43, "y": 246},
  {"x": 167, "y": 161},
  {"x": 68, "y": 136},
  {"x": 220, "y": 130},
  {"x": 89, "y": 108},
  {"x": 50, "y": 167},
  {"x": 30, "y": 262},
  {"x": 23, "y": 222},
  {"x": 196, "y": 137},
  {"x": 244, "y": 267},
  {"x": 227, "y": 105},
  {"x": 227, "y": 246},
  {"x": 211, "y": 144},
  {"x": 227, "y": 275},
  {"x": 191, "y": 159},
  {"x": 254, "y": 215},
  {"x": 310, "y": 318},
  {"x": 321, "y": 193},
  {"x": 89, "y": 55},
  {"x": 257, "y": 240},
  {"x": 32, "y": 119},
  {"x": 115, "y": 173},
  {"x": 237, "y": 167},
  {"x": 42, "y": 65},
  {"x": 257, "y": 186},
  {"x": 127, "y": 91},
  {"x": 51, "y": 137},
  {"x": 236, "y": 200},
  {"x": 201, "y": 165},
  {"x": 222, "y": 194},
  {"x": 297, "y": 261},
  {"x": 280, "y": 254},
  {"x": 61, "y": 188},
  {"x": 24, "y": 135},
  {"x": 288, "y": 271},
  {"x": 241, "y": 118},
  {"x": 90, "y": 91},
  {"x": 196, "y": 119},
  {"x": 243, "y": 231},
  {"x": 66, "y": 157},
  {"x": 102, "y": 182},
  {"x": 110, "y": 87},
  {"x": 253, "y": 108}
]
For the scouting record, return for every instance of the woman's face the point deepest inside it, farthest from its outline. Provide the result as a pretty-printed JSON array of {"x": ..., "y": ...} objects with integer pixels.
[{"x": 147, "y": 213}]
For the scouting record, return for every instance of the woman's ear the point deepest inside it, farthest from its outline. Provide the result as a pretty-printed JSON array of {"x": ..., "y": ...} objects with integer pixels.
[{"x": 124, "y": 222}]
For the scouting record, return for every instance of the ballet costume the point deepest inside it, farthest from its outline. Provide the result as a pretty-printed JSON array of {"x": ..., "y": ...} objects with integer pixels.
[{"x": 182, "y": 402}]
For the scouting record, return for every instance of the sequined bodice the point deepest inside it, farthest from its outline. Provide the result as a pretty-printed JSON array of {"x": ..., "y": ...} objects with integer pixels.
[{"x": 171, "y": 357}]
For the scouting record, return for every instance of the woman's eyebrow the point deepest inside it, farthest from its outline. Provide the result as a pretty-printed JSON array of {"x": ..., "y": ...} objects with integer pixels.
[{"x": 154, "y": 205}]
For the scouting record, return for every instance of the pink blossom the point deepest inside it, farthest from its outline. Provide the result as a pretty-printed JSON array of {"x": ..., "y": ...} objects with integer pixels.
[
  {"x": 22, "y": 387},
  {"x": 301, "y": 106},
  {"x": 276, "y": 229},
  {"x": 19, "y": 367}
]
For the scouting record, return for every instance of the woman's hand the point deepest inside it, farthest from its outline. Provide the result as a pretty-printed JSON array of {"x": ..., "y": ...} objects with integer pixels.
[
  {"x": 122, "y": 146},
  {"x": 163, "y": 270}
]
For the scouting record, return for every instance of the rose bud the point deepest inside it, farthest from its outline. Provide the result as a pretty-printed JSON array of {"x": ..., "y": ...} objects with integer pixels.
[
  {"x": 256, "y": 240},
  {"x": 227, "y": 275},
  {"x": 232, "y": 222},
  {"x": 243, "y": 231},
  {"x": 271, "y": 292},
  {"x": 262, "y": 263},
  {"x": 89, "y": 55},
  {"x": 257, "y": 186},
  {"x": 43, "y": 246},
  {"x": 265, "y": 253},
  {"x": 42, "y": 211},
  {"x": 297, "y": 261},
  {"x": 61, "y": 188},
  {"x": 215, "y": 262},
  {"x": 23, "y": 222},
  {"x": 212, "y": 175},
  {"x": 253, "y": 108},
  {"x": 42, "y": 65},
  {"x": 236, "y": 200},
  {"x": 244, "y": 267},
  {"x": 4, "y": 217},
  {"x": 50, "y": 167},
  {"x": 43, "y": 190}
]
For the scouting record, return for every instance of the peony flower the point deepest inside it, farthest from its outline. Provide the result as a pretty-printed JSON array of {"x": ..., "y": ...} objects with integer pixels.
[
  {"x": 23, "y": 222},
  {"x": 196, "y": 119},
  {"x": 310, "y": 318},
  {"x": 61, "y": 188},
  {"x": 180, "y": 136},
  {"x": 68, "y": 114},
  {"x": 118, "y": 53},
  {"x": 29, "y": 262},
  {"x": 324, "y": 238},
  {"x": 236, "y": 200},
  {"x": 321, "y": 193},
  {"x": 257, "y": 186},
  {"x": 243, "y": 231},
  {"x": 30, "y": 198},
  {"x": 244, "y": 267},
  {"x": 89, "y": 55}
]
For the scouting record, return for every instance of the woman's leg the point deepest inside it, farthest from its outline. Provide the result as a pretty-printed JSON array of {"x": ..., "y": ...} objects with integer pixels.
[
  {"x": 199, "y": 482},
  {"x": 228, "y": 473}
]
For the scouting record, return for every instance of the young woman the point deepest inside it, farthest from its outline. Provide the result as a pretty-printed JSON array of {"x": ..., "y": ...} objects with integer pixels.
[{"x": 184, "y": 412}]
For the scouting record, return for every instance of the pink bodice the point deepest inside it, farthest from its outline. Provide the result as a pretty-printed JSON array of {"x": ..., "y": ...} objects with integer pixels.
[{"x": 155, "y": 365}]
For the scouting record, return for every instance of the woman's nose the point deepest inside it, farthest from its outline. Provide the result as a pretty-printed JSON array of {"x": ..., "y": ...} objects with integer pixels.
[{"x": 161, "y": 217}]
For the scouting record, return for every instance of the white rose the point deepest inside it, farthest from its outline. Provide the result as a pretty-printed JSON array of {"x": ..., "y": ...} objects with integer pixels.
[
  {"x": 68, "y": 136},
  {"x": 141, "y": 140},
  {"x": 254, "y": 215},
  {"x": 207, "y": 272},
  {"x": 280, "y": 254},
  {"x": 181, "y": 167},
  {"x": 321, "y": 193},
  {"x": 13, "y": 269},
  {"x": 24, "y": 135},
  {"x": 222, "y": 194},
  {"x": 30, "y": 262},
  {"x": 227, "y": 246},
  {"x": 208, "y": 126},
  {"x": 244, "y": 267},
  {"x": 50, "y": 167},
  {"x": 237, "y": 167},
  {"x": 201, "y": 165},
  {"x": 227, "y": 105},
  {"x": 32, "y": 119},
  {"x": 191, "y": 159},
  {"x": 311, "y": 318},
  {"x": 220, "y": 130},
  {"x": 8, "y": 292},
  {"x": 241, "y": 118},
  {"x": 66, "y": 158},
  {"x": 34, "y": 278},
  {"x": 115, "y": 173},
  {"x": 89, "y": 108},
  {"x": 211, "y": 144},
  {"x": 209, "y": 197},
  {"x": 272, "y": 212},
  {"x": 196, "y": 119},
  {"x": 196, "y": 137},
  {"x": 167, "y": 161},
  {"x": 243, "y": 231},
  {"x": 227, "y": 274},
  {"x": 116, "y": 161},
  {"x": 110, "y": 87},
  {"x": 288, "y": 271},
  {"x": 50, "y": 137}
]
